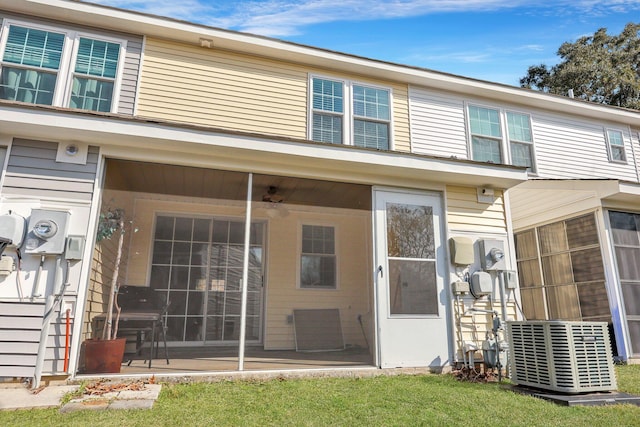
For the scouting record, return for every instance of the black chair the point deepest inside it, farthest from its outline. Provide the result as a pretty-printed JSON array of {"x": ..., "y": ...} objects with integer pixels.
[{"x": 143, "y": 311}]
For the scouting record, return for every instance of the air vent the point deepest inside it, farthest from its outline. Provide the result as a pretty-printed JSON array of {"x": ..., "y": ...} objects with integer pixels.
[{"x": 568, "y": 357}]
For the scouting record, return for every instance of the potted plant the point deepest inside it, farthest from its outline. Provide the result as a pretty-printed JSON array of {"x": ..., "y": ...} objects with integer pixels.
[{"x": 104, "y": 355}]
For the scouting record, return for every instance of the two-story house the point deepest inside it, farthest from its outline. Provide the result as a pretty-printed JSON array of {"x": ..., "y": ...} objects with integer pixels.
[{"x": 283, "y": 198}]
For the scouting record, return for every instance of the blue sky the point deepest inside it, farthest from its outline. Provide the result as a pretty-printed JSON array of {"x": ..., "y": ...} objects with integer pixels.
[{"x": 494, "y": 40}]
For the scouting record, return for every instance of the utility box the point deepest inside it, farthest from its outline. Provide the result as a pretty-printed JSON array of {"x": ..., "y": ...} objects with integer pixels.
[
  {"x": 462, "y": 250},
  {"x": 12, "y": 228},
  {"x": 46, "y": 232},
  {"x": 492, "y": 256},
  {"x": 481, "y": 284}
]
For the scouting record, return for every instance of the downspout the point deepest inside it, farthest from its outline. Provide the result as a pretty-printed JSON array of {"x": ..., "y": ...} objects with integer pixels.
[{"x": 245, "y": 274}]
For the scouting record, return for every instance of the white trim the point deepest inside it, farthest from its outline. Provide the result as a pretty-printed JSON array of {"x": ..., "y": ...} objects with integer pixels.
[
  {"x": 319, "y": 223},
  {"x": 609, "y": 145},
  {"x": 87, "y": 261},
  {"x": 613, "y": 285},
  {"x": 139, "y": 76}
]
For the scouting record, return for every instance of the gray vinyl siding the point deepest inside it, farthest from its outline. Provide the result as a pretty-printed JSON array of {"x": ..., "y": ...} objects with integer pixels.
[
  {"x": 131, "y": 63},
  {"x": 32, "y": 171},
  {"x": 20, "y": 325},
  {"x": 565, "y": 146}
]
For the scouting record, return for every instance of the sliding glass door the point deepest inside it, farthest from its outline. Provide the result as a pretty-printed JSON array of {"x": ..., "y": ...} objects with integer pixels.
[{"x": 197, "y": 262}]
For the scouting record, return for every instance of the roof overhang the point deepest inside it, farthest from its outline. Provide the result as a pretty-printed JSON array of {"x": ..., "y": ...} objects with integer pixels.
[
  {"x": 173, "y": 143},
  {"x": 166, "y": 28}
]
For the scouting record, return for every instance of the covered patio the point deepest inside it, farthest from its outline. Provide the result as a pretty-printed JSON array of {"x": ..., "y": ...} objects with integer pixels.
[{"x": 309, "y": 291}]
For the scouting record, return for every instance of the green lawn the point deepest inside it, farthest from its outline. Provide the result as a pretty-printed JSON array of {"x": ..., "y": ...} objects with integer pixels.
[{"x": 379, "y": 401}]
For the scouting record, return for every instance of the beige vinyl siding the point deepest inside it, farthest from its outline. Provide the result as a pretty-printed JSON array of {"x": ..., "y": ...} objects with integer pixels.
[
  {"x": 464, "y": 213},
  {"x": 190, "y": 84},
  {"x": 353, "y": 294},
  {"x": 227, "y": 90}
]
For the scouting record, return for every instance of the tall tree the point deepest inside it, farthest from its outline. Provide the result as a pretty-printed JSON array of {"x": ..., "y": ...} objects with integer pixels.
[{"x": 600, "y": 68}]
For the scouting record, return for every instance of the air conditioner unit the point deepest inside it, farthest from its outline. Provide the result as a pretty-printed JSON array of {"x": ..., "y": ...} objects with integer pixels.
[{"x": 566, "y": 357}]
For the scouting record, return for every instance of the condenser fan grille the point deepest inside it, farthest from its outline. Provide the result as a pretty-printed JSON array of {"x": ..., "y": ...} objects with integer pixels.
[{"x": 570, "y": 357}]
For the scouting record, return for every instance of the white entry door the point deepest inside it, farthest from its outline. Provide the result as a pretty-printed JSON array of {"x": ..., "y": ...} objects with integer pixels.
[{"x": 410, "y": 260}]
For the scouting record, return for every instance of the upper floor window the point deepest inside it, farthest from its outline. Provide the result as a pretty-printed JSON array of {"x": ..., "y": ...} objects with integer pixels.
[
  {"x": 53, "y": 67},
  {"x": 488, "y": 143},
  {"x": 349, "y": 113},
  {"x": 616, "y": 146}
]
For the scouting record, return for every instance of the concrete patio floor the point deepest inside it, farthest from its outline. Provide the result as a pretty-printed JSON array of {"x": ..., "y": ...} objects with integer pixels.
[{"x": 216, "y": 359}]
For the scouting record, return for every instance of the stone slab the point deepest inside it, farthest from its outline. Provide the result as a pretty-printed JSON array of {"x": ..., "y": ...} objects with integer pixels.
[{"x": 22, "y": 398}]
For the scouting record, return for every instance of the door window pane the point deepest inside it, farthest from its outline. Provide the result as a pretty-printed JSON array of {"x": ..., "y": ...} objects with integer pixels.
[
  {"x": 413, "y": 287},
  {"x": 410, "y": 231}
]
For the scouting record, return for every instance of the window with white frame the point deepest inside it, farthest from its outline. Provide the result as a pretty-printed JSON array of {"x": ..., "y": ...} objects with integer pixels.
[
  {"x": 51, "y": 66},
  {"x": 615, "y": 142},
  {"x": 489, "y": 142},
  {"x": 520, "y": 139},
  {"x": 344, "y": 112},
  {"x": 318, "y": 257}
]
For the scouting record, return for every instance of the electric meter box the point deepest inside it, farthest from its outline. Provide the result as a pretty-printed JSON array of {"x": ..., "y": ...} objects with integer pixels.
[
  {"x": 492, "y": 256},
  {"x": 46, "y": 232}
]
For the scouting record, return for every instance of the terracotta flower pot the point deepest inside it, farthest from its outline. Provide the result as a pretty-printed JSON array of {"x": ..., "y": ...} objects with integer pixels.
[{"x": 103, "y": 356}]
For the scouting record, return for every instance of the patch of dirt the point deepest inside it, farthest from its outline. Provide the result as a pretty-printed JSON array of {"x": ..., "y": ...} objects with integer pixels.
[{"x": 100, "y": 388}]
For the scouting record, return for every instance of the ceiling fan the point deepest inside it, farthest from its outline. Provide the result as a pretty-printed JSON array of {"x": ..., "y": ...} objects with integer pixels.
[{"x": 272, "y": 195}]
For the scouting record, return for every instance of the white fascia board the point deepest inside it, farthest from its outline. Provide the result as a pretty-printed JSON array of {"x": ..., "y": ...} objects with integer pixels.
[
  {"x": 608, "y": 190},
  {"x": 150, "y": 25},
  {"x": 249, "y": 152}
]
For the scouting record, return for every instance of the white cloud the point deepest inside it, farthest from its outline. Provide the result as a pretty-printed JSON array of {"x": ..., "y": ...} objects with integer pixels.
[{"x": 288, "y": 17}]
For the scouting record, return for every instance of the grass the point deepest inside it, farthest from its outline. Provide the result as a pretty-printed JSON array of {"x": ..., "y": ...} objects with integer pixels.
[{"x": 438, "y": 400}]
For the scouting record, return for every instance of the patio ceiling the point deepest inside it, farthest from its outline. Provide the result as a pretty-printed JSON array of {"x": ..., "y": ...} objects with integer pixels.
[{"x": 145, "y": 177}]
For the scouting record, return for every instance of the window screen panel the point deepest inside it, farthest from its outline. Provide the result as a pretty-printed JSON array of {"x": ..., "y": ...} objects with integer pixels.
[
  {"x": 581, "y": 231},
  {"x": 328, "y": 95},
  {"x": 484, "y": 121},
  {"x": 563, "y": 302},
  {"x": 371, "y": 102},
  {"x": 625, "y": 228},
  {"x": 97, "y": 58},
  {"x": 327, "y": 128},
  {"x": 486, "y": 149},
  {"x": 371, "y": 134},
  {"x": 552, "y": 238},
  {"x": 519, "y": 127}
]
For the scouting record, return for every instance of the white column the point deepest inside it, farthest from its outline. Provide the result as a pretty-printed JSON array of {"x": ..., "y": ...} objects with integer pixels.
[{"x": 245, "y": 275}]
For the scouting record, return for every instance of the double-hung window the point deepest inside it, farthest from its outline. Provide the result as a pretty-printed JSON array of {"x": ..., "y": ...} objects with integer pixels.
[
  {"x": 318, "y": 257},
  {"x": 616, "y": 146},
  {"x": 520, "y": 139},
  {"x": 344, "y": 112},
  {"x": 50, "y": 66},
  {"x": 486, "y": 134},
  {"x": 499, "y": 136}
]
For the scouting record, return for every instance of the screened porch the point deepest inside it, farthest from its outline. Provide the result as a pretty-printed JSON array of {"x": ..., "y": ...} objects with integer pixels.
[{"x": 308, "y": 268}]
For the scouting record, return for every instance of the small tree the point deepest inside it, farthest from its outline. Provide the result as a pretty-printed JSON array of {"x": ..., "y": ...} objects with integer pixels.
[{"x": 112, "y": 221}]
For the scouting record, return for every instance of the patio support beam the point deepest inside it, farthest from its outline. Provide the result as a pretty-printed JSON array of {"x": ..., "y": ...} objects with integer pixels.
[{"x": 245, "y": 274}]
